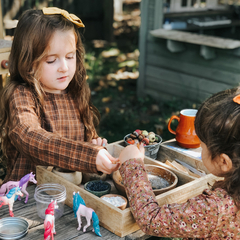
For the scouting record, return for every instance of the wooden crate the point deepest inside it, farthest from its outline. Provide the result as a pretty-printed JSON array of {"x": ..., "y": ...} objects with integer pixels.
[{"x": 121, "y": 222}]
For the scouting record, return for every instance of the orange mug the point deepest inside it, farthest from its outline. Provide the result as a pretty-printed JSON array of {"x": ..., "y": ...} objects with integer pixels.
[{"x": 185, "y": 132}]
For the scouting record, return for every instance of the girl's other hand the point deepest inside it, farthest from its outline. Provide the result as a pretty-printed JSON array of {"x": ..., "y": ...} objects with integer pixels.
[
  {"x": 100, "y": 141},
  {"x": 132, "y": 151},
  {"x": 106, "y": 163}
]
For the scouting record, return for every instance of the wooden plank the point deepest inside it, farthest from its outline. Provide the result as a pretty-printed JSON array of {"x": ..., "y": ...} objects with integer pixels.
[
  {"x": 194, "y": 38},
  {"x": 191, "y": 68},
  {"x": 143, "y": 33},
  {"x": 158, "y": 87},
  {"x": 66, "y": 228},
  {"x": 5, "y": 45},
  {"x": 138, "y": 235},
  {"x": 224, "y": 61},
  {"x": 184, "y": 80},
  {"x": 2, "y": 33},
  {"x": 170, "y": 91}
]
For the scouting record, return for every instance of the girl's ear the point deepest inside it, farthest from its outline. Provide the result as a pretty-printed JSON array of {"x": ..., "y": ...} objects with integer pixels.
[{"x": 225, "y": 162}]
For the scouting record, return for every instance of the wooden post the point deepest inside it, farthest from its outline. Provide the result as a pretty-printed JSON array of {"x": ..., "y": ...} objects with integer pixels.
[
  {"x": 1, "y": 21},
  {"x": 144, "y": 37}
]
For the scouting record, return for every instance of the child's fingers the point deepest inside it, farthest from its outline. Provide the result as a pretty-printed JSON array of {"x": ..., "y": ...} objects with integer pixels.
[
  {"x": 104, "y": 142},
  {"x": 141, "y": 148},
  {"x": 99, "y": 141},
  {"x": 115, "y": 161},
  {"x": 112, "y": 159}
]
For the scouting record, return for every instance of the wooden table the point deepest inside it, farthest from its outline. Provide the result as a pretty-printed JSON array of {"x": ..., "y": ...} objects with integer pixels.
[{"x": 66, "y": 226}]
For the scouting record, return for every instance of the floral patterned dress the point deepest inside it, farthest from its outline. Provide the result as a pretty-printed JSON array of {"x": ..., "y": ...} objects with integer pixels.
[{"x": 210, "y": 215}]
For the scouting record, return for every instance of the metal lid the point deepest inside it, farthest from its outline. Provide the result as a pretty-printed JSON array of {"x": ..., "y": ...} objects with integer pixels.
[{"x": 13, "y": 228}]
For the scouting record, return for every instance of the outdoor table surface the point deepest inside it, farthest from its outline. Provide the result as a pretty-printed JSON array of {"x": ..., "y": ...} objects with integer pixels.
[{"x": 66, "y": 226}]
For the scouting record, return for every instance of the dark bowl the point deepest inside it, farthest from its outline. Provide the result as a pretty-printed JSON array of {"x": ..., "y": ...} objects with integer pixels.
[{"x": 93, "y": 186}]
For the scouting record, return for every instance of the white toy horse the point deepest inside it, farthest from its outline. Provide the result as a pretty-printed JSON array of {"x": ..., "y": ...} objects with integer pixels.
[
  {"x": 80, "y": 209},
  {"x": 10, "y": 198},
  {"x": 49, "y": 222}
]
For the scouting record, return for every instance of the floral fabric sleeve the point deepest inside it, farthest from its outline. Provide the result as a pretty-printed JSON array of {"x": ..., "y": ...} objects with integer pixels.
[{"x": 197, "y": 218}]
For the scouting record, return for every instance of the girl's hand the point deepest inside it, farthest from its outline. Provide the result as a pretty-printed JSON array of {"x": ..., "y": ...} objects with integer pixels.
[
  {"x": 100, "y": 141},
  {"x": 106, "y": 163},
  {"x": 131, "y": 151}
]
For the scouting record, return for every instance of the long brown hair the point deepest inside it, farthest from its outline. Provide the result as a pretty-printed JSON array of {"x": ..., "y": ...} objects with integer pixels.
[
  {"x": 31, "y": 38},
  {"x": 217, "y": 124}
]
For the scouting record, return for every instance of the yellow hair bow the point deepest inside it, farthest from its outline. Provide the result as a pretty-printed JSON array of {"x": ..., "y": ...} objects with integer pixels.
[{"x": 71, "y": 17}]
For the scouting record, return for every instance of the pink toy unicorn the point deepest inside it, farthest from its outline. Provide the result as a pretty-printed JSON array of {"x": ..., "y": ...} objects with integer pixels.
[
  {"x": 10, "y": 198},
  {"x": 5, "y": 188},
  {"x": 80, "y": 209},
  {"x": 49, "y": 222}
]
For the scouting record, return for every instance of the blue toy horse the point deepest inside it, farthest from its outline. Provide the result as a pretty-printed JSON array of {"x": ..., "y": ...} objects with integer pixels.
[{"x": 80, "y": 209}]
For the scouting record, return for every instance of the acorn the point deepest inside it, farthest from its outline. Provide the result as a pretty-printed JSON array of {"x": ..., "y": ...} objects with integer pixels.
[
  {"x": 140, "y": 137},
  {"x": 133, "y": 136}
]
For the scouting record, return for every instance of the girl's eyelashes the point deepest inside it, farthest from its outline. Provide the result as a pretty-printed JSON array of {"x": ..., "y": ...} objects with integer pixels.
[
  {"x": 49, "y": 62},
  {"x": 71, "y": 56}
]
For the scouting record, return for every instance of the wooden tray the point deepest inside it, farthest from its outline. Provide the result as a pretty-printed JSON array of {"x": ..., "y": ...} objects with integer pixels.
[{"x": 121, "y": 222}]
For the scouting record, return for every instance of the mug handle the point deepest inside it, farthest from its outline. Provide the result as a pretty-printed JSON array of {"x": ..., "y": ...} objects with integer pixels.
[{"x": 169, "y": 124}]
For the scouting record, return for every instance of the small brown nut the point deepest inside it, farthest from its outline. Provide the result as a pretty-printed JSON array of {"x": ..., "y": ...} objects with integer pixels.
[
  {"x": 140, "y": 137},
  {"x": 133, "y": 136}
]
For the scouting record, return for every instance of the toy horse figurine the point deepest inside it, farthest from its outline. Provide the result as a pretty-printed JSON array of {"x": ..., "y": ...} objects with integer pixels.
[
  {"x": 22, "y": 184},
  {"x": 49, "y": 222},
  {"x": 80, "y": 209},
  {"x": 10, "y": 198}
]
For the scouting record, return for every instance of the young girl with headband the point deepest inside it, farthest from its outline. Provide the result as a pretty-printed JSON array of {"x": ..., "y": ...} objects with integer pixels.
[
  {"x": 47, "y": 117},
  {"x": 214, "y": 214}
]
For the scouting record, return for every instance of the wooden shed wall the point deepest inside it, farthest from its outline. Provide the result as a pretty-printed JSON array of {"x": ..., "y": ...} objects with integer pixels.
[{"x": 187, "y": 75}]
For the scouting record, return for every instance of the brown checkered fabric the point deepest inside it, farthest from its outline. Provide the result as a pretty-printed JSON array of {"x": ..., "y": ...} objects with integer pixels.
[{"x": 55, "y": 140}]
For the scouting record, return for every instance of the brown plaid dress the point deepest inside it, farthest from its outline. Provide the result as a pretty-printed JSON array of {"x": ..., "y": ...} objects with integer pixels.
[{"x": 57, "y": 139}]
